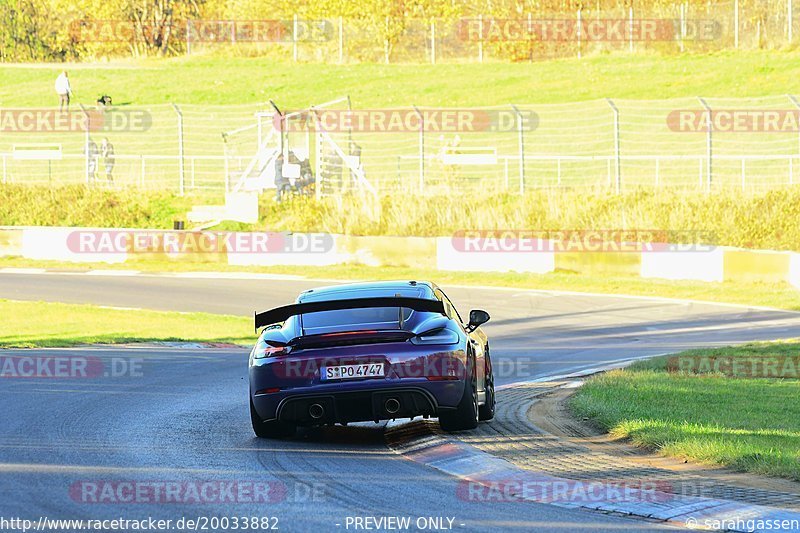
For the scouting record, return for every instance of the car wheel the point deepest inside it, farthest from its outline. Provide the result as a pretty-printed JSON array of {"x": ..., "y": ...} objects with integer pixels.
[
  {"x": 486, "y": 411},
  {"x": 273, "y": 429},
  {"x": 466, "y": 414}
]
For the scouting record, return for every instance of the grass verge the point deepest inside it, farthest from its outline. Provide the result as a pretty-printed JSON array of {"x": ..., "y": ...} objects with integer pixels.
[
  {"x": 729, "y": 218},
  {"x": 775, "y": 295},
  {"x": 748, "y": 424},
  {"x": 43, "y": 324}
]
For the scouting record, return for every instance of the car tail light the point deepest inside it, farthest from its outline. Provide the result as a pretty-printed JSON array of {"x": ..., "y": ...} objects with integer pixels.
[
  {"x": 263, "y": 349},
  {"x": 436, "y": 336},
  {"x": 268, "y": 391}
]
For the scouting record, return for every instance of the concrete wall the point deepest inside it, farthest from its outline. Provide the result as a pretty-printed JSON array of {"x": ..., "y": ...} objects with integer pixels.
[{"x": 714, "y": 264}]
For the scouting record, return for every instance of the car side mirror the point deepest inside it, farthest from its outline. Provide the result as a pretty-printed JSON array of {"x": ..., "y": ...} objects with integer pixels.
[{"x": 476, "y": 318}]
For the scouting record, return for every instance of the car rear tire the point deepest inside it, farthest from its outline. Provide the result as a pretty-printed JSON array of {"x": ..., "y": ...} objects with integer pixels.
[
  {"x": 466, "y": 414},
  {"x": 274, "y": 429},
  {"x": 486, "y": 411}
]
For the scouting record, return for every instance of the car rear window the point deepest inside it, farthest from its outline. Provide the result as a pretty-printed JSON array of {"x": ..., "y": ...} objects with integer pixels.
[{"x": 360, "y": 319}]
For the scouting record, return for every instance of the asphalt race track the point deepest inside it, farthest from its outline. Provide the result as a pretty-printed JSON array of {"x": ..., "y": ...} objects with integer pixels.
[{"x": 178, "y": 415}]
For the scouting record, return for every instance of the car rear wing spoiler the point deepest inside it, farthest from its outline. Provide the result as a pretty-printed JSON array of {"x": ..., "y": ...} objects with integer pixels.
[{"x": 279, "y": 314}]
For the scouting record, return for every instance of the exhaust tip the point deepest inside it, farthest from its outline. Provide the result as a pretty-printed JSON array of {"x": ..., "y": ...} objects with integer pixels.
[
  {"x": 392, "y": 406},
  {"x": 316, "y": 411}
]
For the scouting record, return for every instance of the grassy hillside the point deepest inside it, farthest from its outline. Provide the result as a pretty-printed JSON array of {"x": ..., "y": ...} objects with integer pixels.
[
  {"x": 754, "y": 221},
  {"x": 225, "y": 80}
]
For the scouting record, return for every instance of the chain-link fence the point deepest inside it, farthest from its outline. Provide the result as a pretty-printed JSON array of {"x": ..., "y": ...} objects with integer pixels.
[
  {"x": 703, "y": 144},
  {"x": 177, "y": 147}
]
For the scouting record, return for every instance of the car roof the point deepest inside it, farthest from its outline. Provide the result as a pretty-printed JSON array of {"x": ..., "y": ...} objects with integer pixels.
[{"x": 372, "y": 289}]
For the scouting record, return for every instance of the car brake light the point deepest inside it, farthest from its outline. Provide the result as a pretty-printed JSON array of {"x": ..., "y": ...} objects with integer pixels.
[
  {"x": 442, "y": 378},
  {"x": 348, "y": 333},
  {"x": 437, "y": 336},
  {"x": 262, "y": 350}
]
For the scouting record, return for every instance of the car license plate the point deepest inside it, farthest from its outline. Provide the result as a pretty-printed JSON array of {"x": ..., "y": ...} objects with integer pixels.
[{"x": 368, "y": 370}]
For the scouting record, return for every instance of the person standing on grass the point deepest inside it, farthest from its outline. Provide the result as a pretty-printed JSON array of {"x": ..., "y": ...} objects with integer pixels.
[
  {"x": 63, "y": 90},
  {"x": 107, "y": 151}
]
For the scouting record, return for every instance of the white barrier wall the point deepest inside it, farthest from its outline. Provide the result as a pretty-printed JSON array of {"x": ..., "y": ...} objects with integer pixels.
[
  {"x": 689, "y": 265},
  {"x": 435, "y": 253},
  {"x": 54, "y": 244},
  {"x": 794, "y": 270}
]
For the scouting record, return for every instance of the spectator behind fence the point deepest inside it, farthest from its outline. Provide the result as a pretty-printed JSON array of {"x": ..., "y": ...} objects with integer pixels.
[
  {"x": 107, "y": 151},
  {"x": 92, "y": 154},
  {"x": 281, "y": 183},
  {"x": 63, "y": 90}
]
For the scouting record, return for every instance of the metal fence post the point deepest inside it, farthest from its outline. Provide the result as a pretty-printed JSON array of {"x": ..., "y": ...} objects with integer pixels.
[
  {"x": 797, "y": 105},
  {"x": 318, "y": 158},
  {"x": 181, "y": 165},
  {"x": 658, "y": 177},
  {"x": 86, "y": 141},
  {"x": 736, "y": 24},
  {"x": 630, "y": 29},
  {"x": 433, "y": 42},
  {"x": 386, "y": 42},
  {"x": 578, "y": 32},
  {"x": 341, "y": 40},
  {"x": 618, "y": 176},
  {"x": 189, "y": 37},
  {"x": 521, "y": 140},
  {"x": 743, "y": 174},
  {"x": 709, "y": 145},
  {"x": 558, "y": 171},
  {"x": 294, "y": 37},
  {"x": 421, "y": 148},
  {"x": 700, "y": 172},
  {"x": 259, "y": 131},
  {"x": 530, "y": 31},
  {"x": 480, "y": 38},
  {"x": 789, "y": 17},
  {"x": 793, "y": 98}
]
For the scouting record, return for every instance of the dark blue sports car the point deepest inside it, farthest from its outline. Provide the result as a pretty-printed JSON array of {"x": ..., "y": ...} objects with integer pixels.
[{"x": 369, "y": 352}]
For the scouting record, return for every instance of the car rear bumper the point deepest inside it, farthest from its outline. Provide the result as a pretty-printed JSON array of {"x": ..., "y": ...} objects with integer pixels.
[{"x": 358, "y": 405}]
